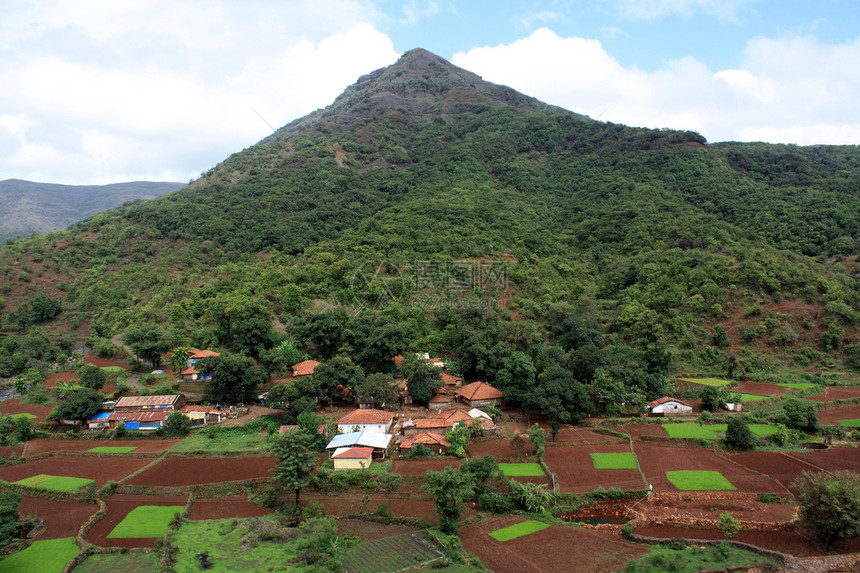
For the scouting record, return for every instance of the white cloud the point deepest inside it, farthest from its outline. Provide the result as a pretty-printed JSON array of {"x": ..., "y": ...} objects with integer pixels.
[
  {"x": 791, "y": 89},
  {"x": 727, "y": 10}
]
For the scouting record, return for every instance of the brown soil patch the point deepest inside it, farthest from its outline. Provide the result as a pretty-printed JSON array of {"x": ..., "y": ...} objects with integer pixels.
[
  {"x": 830, "y": 416},
  {"x": 500, "y": 449},
  {"x": 62, "y": 518},
  {"x": 51, "y": 381},
  {"x": 639, "y": 430},
  {"x": 655, "y": 461},
  {"x": 556, "y": 548},
  {"x": 836, "y": 393},
  {"x": 658, "y": 506},
  {"x": 777, "y": 465},
  {"x": 142, "y": 446},
  {"x": 118, "y": 506},
  {"x": 796, "y": 543},
  {"x": 832, "y": 459},
  {"x": 369, "y": 530},
  {"x": 421, "y": 467},
  {"x": 761, "y": 388},
  {"x": 576, "y": 473},
  {"x": 226, "y": 507},
  {"x": 6, "y": 451},
  {"x": 100, "y": 469},
  {"x": 14, "y": 406},
  {"x": 177, "y": 472}
]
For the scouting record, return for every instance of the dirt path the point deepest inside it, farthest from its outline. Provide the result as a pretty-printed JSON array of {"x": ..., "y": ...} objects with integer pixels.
[{"x": 254, "y": 412}]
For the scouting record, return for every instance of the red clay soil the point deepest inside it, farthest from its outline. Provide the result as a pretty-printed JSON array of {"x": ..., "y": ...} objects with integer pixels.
[
  {"x": 836, "y": 393},
  {"x": 51, "y": 381},
  {"x": 368, "y": 530},
  {"x": 499, "y": 448},
  {"x": 832, "y": 459},
  {"x": 554, "y": 549},
  {"x": 6, "y": 451},
  {"x": 658, "y": 506},
  {"x": 226, "y": 507},
  {"x": 14, "y": 406},
  {"x": 577, "y": 435},
  {"x": 831, "y": 416},
  {"x": 777, "y": 465},
  {"x": 639, "y": 430},
  {"x": 118, "y": 506},
  {"x": 761, "y": 388},
  {"x": 576, "y": 473},
  {"x": 99, "y": 469},
  {"x": 176, "y": 472},
  {"x": 420, "y": 467},
  {"x": 655, "y": 461},
  {"x": 35, "y": 447},
  {"x": 796, "y": 543},
  {"x": 62, "y": 518},
  {"x": 103, "y": 362}
]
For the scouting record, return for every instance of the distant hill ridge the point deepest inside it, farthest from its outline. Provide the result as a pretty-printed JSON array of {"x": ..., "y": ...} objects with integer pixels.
[{"x": 28, "y": 207}]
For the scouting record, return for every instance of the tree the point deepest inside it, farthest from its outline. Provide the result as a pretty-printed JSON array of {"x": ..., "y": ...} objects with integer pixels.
[
  {"x": 233, "y": 377},
  {"x": 337, "y": 375},
  {"x": 713, "y": 398},
  {"x": 389, "y": 482},
  {"x": 377, "y": 388},
  {"x": 449, "y": 489},
  {"x": 739, "y": 435},
  {"x": 459, "y": 438},
  {"x": 78, "y": 405},
  {"x": 177, "y": 424},
  {"x": 829, "y": 504},
  {"x": 801, "y": 414},
  {"x": 294, "y": 460},
  {"x": 91, "y": 376},
  {"x": 179, "y": 360},
  {"x": 147, "y": 340},
  {"x": 423, "y": 378},
  {"x": 9, "y": 501},
  {"x": 537, "y": 436},
  {"x": 483, "y": 472}
]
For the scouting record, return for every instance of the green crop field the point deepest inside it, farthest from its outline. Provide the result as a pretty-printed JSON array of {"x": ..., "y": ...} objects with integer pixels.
[
  {"x": 694, "y": 431},
  {"x": 798, "y": 385},
  {"x": 849, "y": 423},
  {"x": 614, "y": 461},
  {"x": 125, "y": 562},
  {"x": 404, "y": 551},
  {"x": 518, "y": 530},
  {"x": 763, "y": 430},
  {"x": 27, "y": 415},
  {"x": 522, "y": 470},
  {"x": 226, "y": 543},
  {"x": 223, "y": 441},
  {"x": 45, "y": 556},
  {"x": 55, "y": 483},
  {"x": 113, "y": 449},
  {"x": 115, "y": 369},
  {"x": 708, "y": 381},
  {"x": 752, "y": 397},
  {"x": 146, "y": 521},
  {"x": 698, "y": 480}
]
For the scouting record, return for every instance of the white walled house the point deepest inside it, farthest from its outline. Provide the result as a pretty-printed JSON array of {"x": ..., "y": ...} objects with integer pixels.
[
  {"x": 366, "y": 419},
  {"x": 669, "y": 406}
]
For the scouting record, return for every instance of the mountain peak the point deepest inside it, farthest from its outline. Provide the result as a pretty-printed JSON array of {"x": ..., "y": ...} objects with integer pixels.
[{"x": 418, "y": 83}]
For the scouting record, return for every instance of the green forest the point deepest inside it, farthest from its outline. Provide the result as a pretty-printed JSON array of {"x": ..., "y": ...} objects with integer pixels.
[{"x": 574, "y": 264}]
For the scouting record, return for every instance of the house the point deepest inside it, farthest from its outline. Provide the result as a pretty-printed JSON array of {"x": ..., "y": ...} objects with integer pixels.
[
  {"x": 403, "y": 391},
  {"x": 441, "y": 400},
  {"x": 440, "y": 423},
  {"x": 734, "y": 407},
  {"x": 480, "y": 394},
  {"x": 190, "y": 373},
  {"x": 434, "y": 362},
  {"x": 204, "y": 414},
  {"x": 376, "y": 441},
  {"x": 99, "y": 420},
  {"x": 435, "y": 442},
  {"x": 138, "y": 420},
  {"x": 304, "y": 368},
  {"x": 358, "y": 458},
  {"x": 368, "y": 419},
  {"x": 167, "y": 403},
  {"x": 450, "y": 381},
  {"x": 669, "y": 406}
]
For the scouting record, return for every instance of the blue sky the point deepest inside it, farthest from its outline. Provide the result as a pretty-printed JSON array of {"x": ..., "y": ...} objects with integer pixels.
[{"x": 100, "y": 92}]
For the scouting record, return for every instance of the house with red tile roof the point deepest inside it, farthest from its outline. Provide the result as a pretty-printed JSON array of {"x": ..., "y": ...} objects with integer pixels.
[
  {"x": 190, "y": 373},
  {"x": 356, "y": 458},
  {"x": 366, "y": 419},
  {"x": 304, "y": 368},
  {"x": 480, "y": 394},
  {"x": 434, "y": 441}
]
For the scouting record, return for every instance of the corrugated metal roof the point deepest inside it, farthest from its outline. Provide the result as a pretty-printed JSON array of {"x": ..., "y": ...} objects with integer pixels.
[
  {"x": 366, "y": 438},
  {"x": 144, "y": 401}
]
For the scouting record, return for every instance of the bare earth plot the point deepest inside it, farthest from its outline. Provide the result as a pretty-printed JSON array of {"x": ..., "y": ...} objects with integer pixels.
[
  {"x": 421, "y": 467},
  {"x": 836, "y": 393},
  {"x": 141, "y": 446},
  {"x": 775, "y": 464},
  {"x": 575, "y": 470},
  {"x": 180, "y": 471},
  {"x": 831, "y": 416},
  {"x": 118, "y": 506},
  {"x": 62, "y": 518},
  {"x": 227, "y": 507},
  {"x": 99, "y": 469}
]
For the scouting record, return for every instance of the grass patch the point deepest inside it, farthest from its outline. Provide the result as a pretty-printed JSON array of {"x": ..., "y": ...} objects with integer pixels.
[
  {"x": 55, "y": 483},
  {"x": 518, "y": 530},
  {"x": 113, "y": 369},
  {"x": 45, "y": 556},
  {"x": 522, "y": 470},
  {"x": 614, "y": 461},
  {"x": 849, "y": 423},
  {"x": 711, "y": 558},
  {"x": 763, "y": 430},
  {"x": 223, "y": 441},
  {"x": 693, "y": 430},
  {"x": 798, "y": 385},
  {"x": 125, "y": 562},
  {"x": 112, "y": 449},
  {"x": 146, "y": 521},
  {"x": 698, "y": 480},
  {"x": 708, "y": 381},
  {"x": 753, "y": 397},
  {"x": 27, "y": 415},
  {"x": 237, "y": 545},
  {"x": 395, "y": 553}
]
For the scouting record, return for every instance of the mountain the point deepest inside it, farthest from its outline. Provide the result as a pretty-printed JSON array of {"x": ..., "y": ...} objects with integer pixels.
[
  {"x": 27, "y": 207},
  {"x": 427, "y": 209}
]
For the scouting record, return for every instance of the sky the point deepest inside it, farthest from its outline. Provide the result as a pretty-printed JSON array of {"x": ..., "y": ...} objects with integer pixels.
[{"x": 104, "y": 91}]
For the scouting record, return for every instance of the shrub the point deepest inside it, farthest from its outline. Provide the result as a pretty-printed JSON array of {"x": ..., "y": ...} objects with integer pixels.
[
  {"x": 769, "y": 498},
  {"x": 739, "y": 435},
  {"x": 729, "y": 524},
  {"x": 496, "y": 502}
]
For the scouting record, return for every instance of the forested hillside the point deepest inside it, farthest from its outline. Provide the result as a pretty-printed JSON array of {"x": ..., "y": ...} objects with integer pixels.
[
  {"x": 573, "y": 263},
  {"x": 27, "y": 207}
]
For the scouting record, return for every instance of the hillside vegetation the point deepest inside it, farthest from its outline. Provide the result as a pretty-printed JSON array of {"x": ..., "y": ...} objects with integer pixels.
[{"x": 573, "y": 263}]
